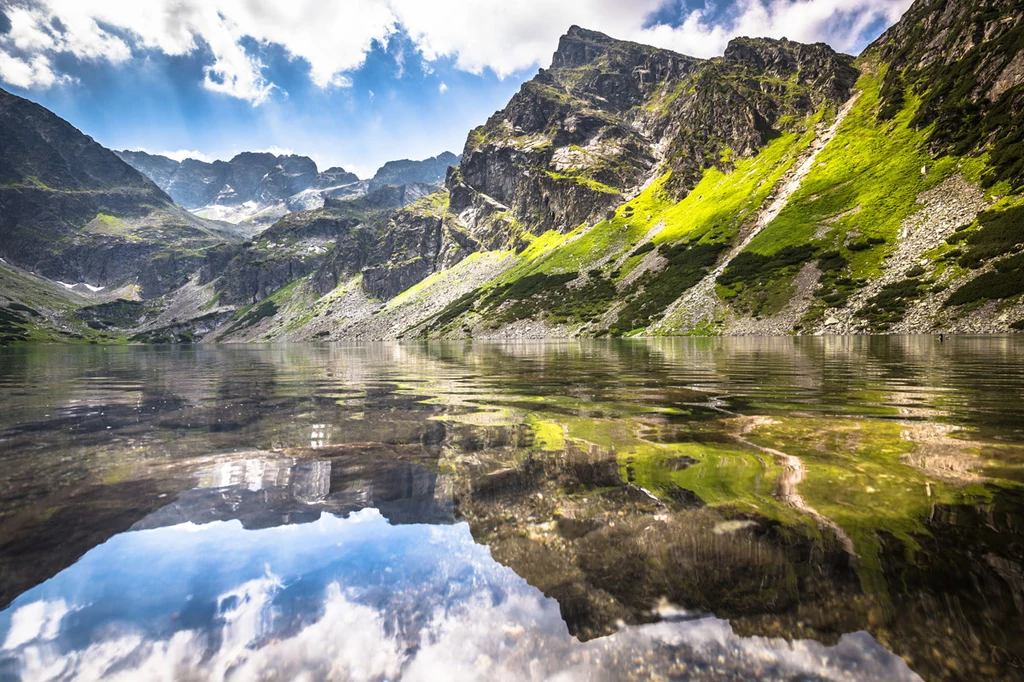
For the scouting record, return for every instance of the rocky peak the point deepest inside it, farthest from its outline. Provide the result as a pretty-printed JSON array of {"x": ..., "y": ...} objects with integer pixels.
[
  {"x": 403, "y": 171},
  {"x": 36, "y": 143},
  {"x": 581, "y": 47},
  {"x": 290, "y": 175},
  {"x": 253, "y": 159},
  {"x": 335, "y": 176},
  {"x": 610, "y": 73},
  {"x": 610, "y": 115}
]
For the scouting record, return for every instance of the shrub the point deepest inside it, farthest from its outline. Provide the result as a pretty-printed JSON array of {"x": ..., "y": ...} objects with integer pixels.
[
  {"x": 749, "y": 268},
  {"x": 889, "y": 304},
  {"x": 1006, "y": 281},
  {"x": 655, "y": 291},
  {"x": 999, "y": 233}
]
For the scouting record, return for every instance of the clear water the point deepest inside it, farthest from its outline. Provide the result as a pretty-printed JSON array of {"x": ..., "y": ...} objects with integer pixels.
[{"x": 799, "y": 509}]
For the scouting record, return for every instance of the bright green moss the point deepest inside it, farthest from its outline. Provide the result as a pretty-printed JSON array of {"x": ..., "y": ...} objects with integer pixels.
[{"x": 589, "y": 183}]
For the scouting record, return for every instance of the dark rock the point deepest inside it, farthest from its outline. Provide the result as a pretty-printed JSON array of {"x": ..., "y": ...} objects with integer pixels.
[
  {"x": 334, "y": 177},
  {"x": 402, "y": 172}
]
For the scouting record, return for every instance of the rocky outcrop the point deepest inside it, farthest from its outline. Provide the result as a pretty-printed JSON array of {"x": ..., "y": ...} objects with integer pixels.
[
  {"x": 334, "y": 177},
  {"x": 588, "y": 133},
  {"x": 427, "y": 171}
]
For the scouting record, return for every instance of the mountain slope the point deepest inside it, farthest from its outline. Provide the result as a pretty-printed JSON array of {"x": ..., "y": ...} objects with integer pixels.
[
  {"x": 802, "y": 223},
  {"x": 609, "y": 117},
  {"x": 70, "y": 210}
]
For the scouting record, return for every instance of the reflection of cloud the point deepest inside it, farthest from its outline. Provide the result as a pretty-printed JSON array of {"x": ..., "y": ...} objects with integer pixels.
[
  {"x": 348, "y": 643},
  {"x": 358, "y": 599},
  {"x": 38, "y": 620}
]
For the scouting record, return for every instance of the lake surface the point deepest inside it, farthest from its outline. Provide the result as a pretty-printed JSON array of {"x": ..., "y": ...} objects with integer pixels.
[{"x": 721, "y": 509}]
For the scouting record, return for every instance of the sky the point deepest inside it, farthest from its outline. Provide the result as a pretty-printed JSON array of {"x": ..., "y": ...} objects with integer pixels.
[{"x": 350, "y": 83}]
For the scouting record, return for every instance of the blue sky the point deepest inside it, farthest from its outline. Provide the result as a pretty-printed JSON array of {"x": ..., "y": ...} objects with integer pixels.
[{"x": 352, "y": 82}]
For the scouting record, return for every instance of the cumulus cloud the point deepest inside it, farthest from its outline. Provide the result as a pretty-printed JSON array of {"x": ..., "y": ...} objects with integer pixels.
[
  {"x": 334, "y": 38},
  {"x": 182, "y": 154},
  {"x": 24, "y": 73},
  {"x": 840, "y": 23},
  {"x": 443, "y": 88}
]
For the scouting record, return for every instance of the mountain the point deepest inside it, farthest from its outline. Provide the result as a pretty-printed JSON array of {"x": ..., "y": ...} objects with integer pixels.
[
  {"x": 610, "y": 116},
  {"x": 71, "y": 211},
  {"x": 427, "y": 171},
  {"x": 256, "y": 189},
  {"x": 781, "y": 188}
]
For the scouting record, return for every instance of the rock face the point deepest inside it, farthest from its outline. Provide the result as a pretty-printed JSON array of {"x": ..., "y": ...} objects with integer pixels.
[
  {"x": 334, "y": 177},
  {"x": 428, "y": 171},
  {"x": 391, "y": 249},
  {"x": 407, "y": 249},
  {"x": 586, "y": 134},
  {"x": 72, "y": 211}
]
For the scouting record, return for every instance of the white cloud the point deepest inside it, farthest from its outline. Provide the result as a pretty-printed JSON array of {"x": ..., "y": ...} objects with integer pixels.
[
  {"x": 334, "y": 38},
  {"x": 275, "y": 150},
  {"x": 182, "y": 154},
  {"x": 840, "y": 23},
  {"x": 443, "y": 88},
  {"x": 339, "y": 80},
  {"x": 26, "y": 74}
]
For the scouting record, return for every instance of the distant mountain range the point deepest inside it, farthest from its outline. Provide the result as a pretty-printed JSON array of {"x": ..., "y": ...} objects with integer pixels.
[
  {"x": 258, "y": 188},
  {"x": 781, "y": 188}
]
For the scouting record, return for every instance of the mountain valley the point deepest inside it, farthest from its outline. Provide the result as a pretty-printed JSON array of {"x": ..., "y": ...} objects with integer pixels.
[{"x": 626, "y": 190}]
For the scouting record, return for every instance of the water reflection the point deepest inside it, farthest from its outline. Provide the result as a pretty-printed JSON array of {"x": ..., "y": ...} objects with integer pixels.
[
  {"x": 711, "y": 509},
  {"x": 357, "y": 598}
]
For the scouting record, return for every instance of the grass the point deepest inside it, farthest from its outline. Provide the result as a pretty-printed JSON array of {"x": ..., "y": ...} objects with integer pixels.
[
  {"x": 721, "y": 202},
  {"x": 851, "y": 206},
  {"x": 865, "y": 183},
  {"x": 589, "y": 183}
]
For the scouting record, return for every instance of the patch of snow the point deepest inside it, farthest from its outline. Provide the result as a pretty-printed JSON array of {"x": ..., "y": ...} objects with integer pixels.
[
  {"x": 80, "y": 285},
  {"x": 229, "y": 214}
]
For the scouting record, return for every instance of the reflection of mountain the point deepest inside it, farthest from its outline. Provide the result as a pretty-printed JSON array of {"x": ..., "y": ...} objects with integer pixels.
[
  {"x": 263, "y": 490},
  {"x": 360, "y": 599},
  {"x": 609, "y": 476}
]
